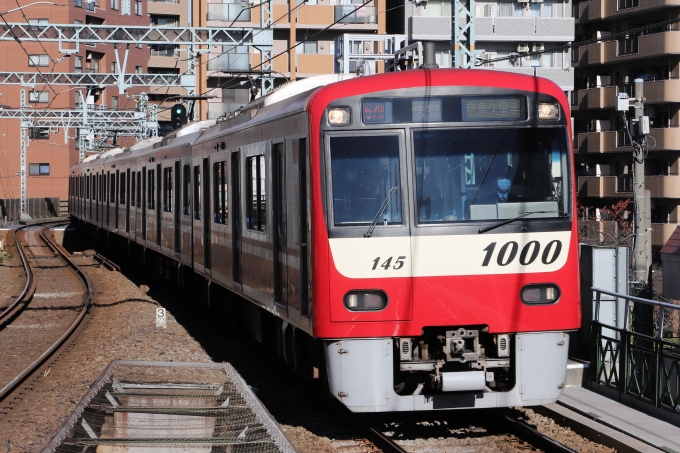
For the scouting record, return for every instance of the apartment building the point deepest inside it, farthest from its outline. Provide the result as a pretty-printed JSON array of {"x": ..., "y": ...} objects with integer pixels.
[
  {"x": 223, "y": 72},
  {"x": 502, "y": 29},
  {"x": 167, "y": 59},
  {"x": 605, "y": 69},
  {"x": 51, "y": 152}
]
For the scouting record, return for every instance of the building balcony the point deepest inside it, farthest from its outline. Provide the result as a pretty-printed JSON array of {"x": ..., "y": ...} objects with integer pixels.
[
  {"x": 661, "y": 232},
  {"x": 597, "y": 98},
  {"x": 607, "y": 9},
  {"x": 228, "y": 12},
  {"x": 365, "y": 15},
  {"x": 622, "y": 187},
  {"x": 546, "y": 29},
  {"x": 167, "y": 7},
  {"x": 229, "y": 62},
  {"x": 642, "y": 47},
  {"x": 666, "y": 139},
  {"x": 314, "y": 64},
  {"x": 656, "y": 92}
]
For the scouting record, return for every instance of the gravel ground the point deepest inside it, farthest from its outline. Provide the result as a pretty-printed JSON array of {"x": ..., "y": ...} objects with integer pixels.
[{"x": 122, "y": 327}]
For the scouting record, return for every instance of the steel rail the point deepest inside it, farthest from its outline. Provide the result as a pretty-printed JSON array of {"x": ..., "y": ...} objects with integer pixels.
[
  {"x": 87, "y": 297},
  {"x": 384, "y": 443},
  {"x": 536, "y": 438},
  {"x": 29, "y": 278}
]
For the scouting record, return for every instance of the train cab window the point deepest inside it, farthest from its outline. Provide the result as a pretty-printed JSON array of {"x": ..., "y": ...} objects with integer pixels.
[
  {"x": 256, "y": 195},
  {"x": 139, "y": 189},
  {"x": 186, "y": 189},
  {"x": 121, "y": 184},
  {"x": 220, "y": 198},
  {"x": 151, "y": 190},
  {"x": 485, "y": 174},
  {"x": 167, "y": 189},
  {"x": 366, "y": 176},
  {"x": 197, "y": 192}
]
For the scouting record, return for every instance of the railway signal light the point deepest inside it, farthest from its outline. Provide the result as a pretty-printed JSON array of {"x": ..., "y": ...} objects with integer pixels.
[{"x": 179, "y": 116}]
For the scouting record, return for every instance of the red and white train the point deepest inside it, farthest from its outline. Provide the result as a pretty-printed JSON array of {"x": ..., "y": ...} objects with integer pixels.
[{"x": 410, "y": 237}]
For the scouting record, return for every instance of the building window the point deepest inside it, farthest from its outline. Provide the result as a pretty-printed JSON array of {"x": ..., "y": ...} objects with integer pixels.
[
  {"x": 151, "y": 192},
  {"x": 38, "y": 96},
  {"x": 138, "y": 37},
  {"x": 113, "y": 67},
  {"x": 37, "y": 24},
  {"x": 439, "y": 8},
  {"x": 163, "y": 50},
  {"x": 256, "y": 196},
  {"x": 138, "y": 69},
  {"x": 164, "y": 21},
  {"x": 308, "y": 47},
  {"x": 186, "y": 190},
  {"x": 78, "y": 3},
  {"x": 221, "y": 192},
  {"x": 138, "y": 7},
  {"x": 93, "y": 65},
  {"x": 38, "y": 60},
  {"x": 39, "y": 169},
  {"x": 114, "y": 102},
  {"x": 79, "y": 65},
  {"x": 167, "y": 189},
  {"x": 114, "y": 4}
]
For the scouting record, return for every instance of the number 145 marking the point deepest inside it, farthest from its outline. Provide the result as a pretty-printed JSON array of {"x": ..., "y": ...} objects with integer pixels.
[{"x": 398, "y": 263}]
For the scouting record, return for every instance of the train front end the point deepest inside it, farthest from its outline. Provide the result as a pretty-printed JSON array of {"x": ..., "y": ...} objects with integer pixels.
[{"x": 444, "y": 240}]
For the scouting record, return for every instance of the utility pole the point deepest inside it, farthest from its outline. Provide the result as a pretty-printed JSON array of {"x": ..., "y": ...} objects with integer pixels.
[{"x": 463, "y": 52}]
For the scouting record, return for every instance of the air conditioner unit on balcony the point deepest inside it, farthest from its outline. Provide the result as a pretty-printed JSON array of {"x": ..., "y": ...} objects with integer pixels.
[{"x": 522, "y": 47}]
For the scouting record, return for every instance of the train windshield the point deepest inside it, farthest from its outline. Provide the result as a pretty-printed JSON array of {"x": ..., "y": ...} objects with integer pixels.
[
  {"x": 366, "y": 179},
  {"x": 486, "y": 174}
]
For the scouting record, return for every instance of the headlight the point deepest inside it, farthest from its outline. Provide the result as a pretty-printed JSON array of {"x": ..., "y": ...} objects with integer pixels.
[
  {"x": 548, "y": 111},
  {"x": 540, "y": 294},
  {"x": 365, "y": 300},
  {"x": 339, "y": 116}
]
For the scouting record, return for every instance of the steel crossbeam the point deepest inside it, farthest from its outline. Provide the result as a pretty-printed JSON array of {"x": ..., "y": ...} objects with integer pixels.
[
  {"x": 91, "y": 35},
  {"x": 32, "y": 79}
]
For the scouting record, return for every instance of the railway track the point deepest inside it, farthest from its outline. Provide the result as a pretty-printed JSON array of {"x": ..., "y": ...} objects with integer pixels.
[{"x": 54, "y": 302}]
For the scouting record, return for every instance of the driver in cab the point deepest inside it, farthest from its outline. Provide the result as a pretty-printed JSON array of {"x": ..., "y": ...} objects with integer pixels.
[{"x": 501, "y": 188}]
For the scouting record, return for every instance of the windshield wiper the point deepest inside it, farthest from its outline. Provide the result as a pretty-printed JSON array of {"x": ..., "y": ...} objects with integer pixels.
[
  {"x": 383, "y": 206},
  {"x": 505, "y": 222}
]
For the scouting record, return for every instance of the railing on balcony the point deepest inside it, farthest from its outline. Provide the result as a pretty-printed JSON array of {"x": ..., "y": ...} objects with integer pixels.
[
  {"x": 365, "y": 15},
  {"x": 625, "y": 4},
  {"x": 230, "y": 62},
  {"x": 228, "y": 11},
  {"x": 628, "y": 45},
  {"x": 642, "y": 358},
  {"x": 624, "y": 183}
]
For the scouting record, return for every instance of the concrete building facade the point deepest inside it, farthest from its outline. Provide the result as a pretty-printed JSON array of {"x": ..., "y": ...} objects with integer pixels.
[
  {"x": 605, "y": 69},
  {"x": 50, "y": 153}
]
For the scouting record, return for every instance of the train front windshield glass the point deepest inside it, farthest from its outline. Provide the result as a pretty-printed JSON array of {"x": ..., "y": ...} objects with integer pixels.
[
  {"x": 486, "y": 174},
  {"x": 366, "y": 176}
]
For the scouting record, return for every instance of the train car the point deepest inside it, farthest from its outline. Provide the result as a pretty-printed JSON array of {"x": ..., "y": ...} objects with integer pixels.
[{"x": 410, "y": 237}]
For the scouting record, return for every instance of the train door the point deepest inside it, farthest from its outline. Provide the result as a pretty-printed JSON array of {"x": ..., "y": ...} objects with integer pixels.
[
  {"x": 176, "y": 203},
  {"x": 236, "y": 216},
  {"x": 303, "y": 225},
  {"x": 278, "y": 157},
  {"x": 143, "y": 203},
  {"x": 126, "y": 200},
  {"x": 206, "y": 213},
  {"x": 158, "y": 205}
]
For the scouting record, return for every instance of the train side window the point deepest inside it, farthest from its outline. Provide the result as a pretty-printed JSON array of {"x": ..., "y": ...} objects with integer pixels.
[
  {"x": 132, "y": 189},
  {"x": 186, "y": 189},
  {"x": 167, "y": 189},
  {"x": 151, "y": 196},
  {"x": 221, "y": 213},
  {"x": 121, "y": 184},
  {"x": 197, "y": 192},
  {"x": 256, "y": 195},
  {"x": 139, "y": 189},
  {"x": 112, "y": 188}
]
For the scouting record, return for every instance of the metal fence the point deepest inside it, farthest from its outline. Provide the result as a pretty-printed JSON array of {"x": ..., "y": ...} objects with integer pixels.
[{"x": 641, "y": 359}]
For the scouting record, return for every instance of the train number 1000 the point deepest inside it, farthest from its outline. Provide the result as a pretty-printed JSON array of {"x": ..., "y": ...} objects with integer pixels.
[{"x": 530, "y": 252}]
